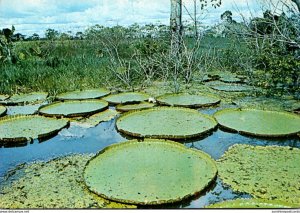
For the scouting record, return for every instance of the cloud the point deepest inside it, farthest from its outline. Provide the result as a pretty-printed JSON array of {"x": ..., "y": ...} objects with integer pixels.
[{"x": 30, "y": 16}]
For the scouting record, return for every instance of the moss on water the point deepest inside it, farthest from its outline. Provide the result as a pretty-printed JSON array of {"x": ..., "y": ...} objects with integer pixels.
[
  {"x": 54, "y": 184},
  {"x": 270, "y": 172}
]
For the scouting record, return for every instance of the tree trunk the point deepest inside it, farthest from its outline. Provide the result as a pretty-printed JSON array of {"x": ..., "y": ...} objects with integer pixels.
[
  {"x": 176, "y": 26},
  {"x": 297, "y": 2}
]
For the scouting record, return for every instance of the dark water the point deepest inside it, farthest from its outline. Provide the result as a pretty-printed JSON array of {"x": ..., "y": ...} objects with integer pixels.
[{"x": 75, "y": 140}]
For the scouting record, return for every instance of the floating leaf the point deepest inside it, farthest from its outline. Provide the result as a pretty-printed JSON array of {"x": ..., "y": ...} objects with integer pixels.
[
  {"x": 83, "y": 94},
  {"x": 73, "y": 108},
  {"x": 23, "y": 110},
  {"x": 24, "y": 128},
  {"x": 126, "y": 97},
  {"x": 252, "y": 203},
  {"x": 129, "y": 107},
  {"x": 187, "y": 100},
  {"x": 95, "y": 119},
  {"x": 149, "y": 172},
  {"x": 259, "y": 122},
  {"x": 33, "y": 97},
  {"x": 270, "y": 172},
  {"x": 165, "y": 122},
  {"x": 2, "y": 110},
  {"x": 220, "y": 86}
]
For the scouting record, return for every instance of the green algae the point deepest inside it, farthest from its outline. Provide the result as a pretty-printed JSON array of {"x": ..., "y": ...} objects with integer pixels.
[
  {"x": 187, "y": 100},
  {"x": 2, "y": 110},
  {"x": 259, "y": 122},
  {"x": 95, "y": 119},
  {"x": 73, "y": 108},
  {"x": 126, "y": 97},
  {"x": 130, "y": 107},
  {"x": 252, "y": 203},
  {"x": 34, "y": 97},
  {"x": 165, "y": 122},
  {"x": 83, "y": 94},
  {"x": 270, "y": 172},
  {"x": 24, "y": 128},
  {"x": 150, "y": 172},
  {"x": 54, "y": 184}
]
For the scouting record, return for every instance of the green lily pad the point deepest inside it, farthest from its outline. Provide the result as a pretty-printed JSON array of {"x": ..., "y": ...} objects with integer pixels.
[
  {"x": 26, "y": 98},
  {"x": 126, "y": 97},
  {"x": 226, "y": 87},
  {"x": 166, "y": 122},
  {"x": 187, "y": 100},
  {"x": 3, "y": 97},
  {"x": 95, "y": 119},
  {"x": 230, "y": 79},
  {"x": 150, "y": 172},
  {"x": 129, "y": 107},
  {"x": 2, "y": 110},
  {"x": 270, "y": 172},
  {"x": 83, "y": 94},
  {"x": 73, "y": 108},
  {"x": 251, "y": 203},
  {"x": 259, "y": 122},
  {"x": 24, "y": 128}
]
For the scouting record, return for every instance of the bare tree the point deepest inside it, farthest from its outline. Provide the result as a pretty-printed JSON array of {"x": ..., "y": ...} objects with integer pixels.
[{"x": 297, "y": 2}]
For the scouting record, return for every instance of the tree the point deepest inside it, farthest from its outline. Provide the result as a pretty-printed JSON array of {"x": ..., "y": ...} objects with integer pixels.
[
  {"x": 176, "y": 26},
  {"x": 297, "y": 2},
  {"x": 51, "y": 34},
  {"x": 227, "y": 16}
]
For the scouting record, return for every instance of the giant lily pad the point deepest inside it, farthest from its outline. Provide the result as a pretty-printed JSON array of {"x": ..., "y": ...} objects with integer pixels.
[
  {"x": 26, "y": 98},
  {"x": 3, "y": 97},
  {"x": 226, "y": 87},
  {"x": 129, "y": 107},
  {"x": 187, "y": 100},
  {"x": 165, "y": 122},
  {"x": 73, "y": 108},
  {"x": 23, "y": 128},
  {"x": 149, "y": 172},
  {"x": 2, "y": 110},
  {"x": 126, "y": 97},
  {"x": 270, "y": 172},
  {"x": 252, "y": 203},
  {"x": 83, "y": 94},
  {"x": 259, "y": 122}
]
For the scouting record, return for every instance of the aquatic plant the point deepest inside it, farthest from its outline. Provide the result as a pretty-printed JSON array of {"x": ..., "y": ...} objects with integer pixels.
[
  {"x": 149, "y": 172},
  {"x": 24, "y": 128},
  {"x": 129, "y": 107},
  {"x": 270, "y": 172},
  {"x": 2, "y": 110},
  {"x": 229, "y": 87},
  {"x": 83, "y": 94},
  {"x": 73, "y": 108},
  {"x": 126, "y": 97},
  {"x": 3, "y": 97},
  {"x": 259, "y": 122},
  {"x": 187, "y": 100},
  {"x": 26, "y": 98},
  {"x": 166, "y": 122}
]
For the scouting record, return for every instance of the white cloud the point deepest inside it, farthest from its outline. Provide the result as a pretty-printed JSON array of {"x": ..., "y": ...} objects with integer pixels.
[{"x": 31, "y": 16}]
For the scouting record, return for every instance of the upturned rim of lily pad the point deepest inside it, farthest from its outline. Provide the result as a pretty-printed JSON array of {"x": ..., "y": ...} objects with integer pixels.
[
  {"x": 162, "y": 100},
  {"x": 137, "y": 106},
  {"x": 211, "y": 119},
  {"x": 181, "y": 147},
  {"x": 77, "y": 114},
  {"x": 248, "y": 203},
  {"x": 39, "y": 136},
  {"x": 138, "y": 100},
  {"x": 251, "y": 133},
  {"x": 98, "y": 93},
  {"x": 12, "y": 102},
  {"x": 3, "y": 110}
]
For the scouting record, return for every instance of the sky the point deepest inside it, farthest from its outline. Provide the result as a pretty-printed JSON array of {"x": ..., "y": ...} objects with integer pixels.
[{"x": 35, "y": 16}]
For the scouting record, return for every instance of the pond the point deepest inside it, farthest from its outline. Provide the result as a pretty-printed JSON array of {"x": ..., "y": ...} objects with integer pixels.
[{"x": 81, "y": 140}]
